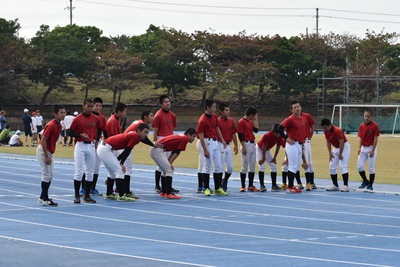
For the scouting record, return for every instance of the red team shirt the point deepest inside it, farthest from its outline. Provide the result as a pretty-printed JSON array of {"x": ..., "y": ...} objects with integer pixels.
[
  {"x": 246, "y": 127},
  {"x": 368, "y": 132},
  {"x": 208, "y": 126},
  {"x": 86, "y": 124},
  {"x": 165, "y": 122},
  {"x": 175, "y": 142},
  {"x": 124, "y": 140},
  {"x": 103, "y": 121},
  {"x": 309, "y": 122},
  {"x": 295, "y": 128},
  {"x": 52, "y": 131},
  {"x": 334, "y": 135},
  {"x": 113, "y": 126},
  {"x": 269, "y": 140},
  {"x": 133, "y": 127},
  {"x": 227, "y": 127}
]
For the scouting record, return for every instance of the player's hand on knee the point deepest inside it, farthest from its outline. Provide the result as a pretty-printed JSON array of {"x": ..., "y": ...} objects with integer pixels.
[{"x": 123, "y": 168}]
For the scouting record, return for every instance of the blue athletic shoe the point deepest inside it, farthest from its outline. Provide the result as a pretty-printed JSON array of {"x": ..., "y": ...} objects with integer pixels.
[
  {"x": 94, "y": 192},
  {"x": 82, "y": 192},
  {"x": 369, "y": 187},
  {"x": 363, "y": 185}
]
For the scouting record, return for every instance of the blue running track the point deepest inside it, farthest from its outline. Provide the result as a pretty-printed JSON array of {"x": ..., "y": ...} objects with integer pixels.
[{"x": 316, "y": 228}]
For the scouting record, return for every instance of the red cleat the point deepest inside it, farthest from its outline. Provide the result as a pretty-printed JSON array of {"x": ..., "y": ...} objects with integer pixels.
[
  {"x": 293, "y": 190},
  {"x": 172, "y": 196}
]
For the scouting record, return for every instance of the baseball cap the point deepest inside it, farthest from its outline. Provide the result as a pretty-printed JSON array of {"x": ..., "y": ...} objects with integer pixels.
[
  {"x": 33, "y": 113},
  {"x": 37, "y": 111},
  {"x": 76, "y": 113},
  {"x": 26, "y": 110},
  {"x": 18, "y": 132}
]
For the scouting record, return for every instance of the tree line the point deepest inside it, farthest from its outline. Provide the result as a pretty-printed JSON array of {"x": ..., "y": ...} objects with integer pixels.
[{"x": 254, "y": 69}]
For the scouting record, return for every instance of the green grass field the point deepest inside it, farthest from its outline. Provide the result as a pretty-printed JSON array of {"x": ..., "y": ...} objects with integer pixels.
[{"x": 386, "y": 169}]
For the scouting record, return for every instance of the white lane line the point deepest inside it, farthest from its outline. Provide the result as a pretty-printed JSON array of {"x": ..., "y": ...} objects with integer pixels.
[
  {"x": 62, "y": 161},
  {"x": 254, "y": 204},
  {"x": 102, "y": 252},
  {"x": 202, "y": 231},
  {"x": 196, "y": 245},
  {"x": 241, "y": 215}
]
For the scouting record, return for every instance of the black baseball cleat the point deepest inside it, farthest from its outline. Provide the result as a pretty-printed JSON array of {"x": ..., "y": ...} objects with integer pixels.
[
  {"x": 173, "y": 190},
  {"x": 88, "y": 199}
]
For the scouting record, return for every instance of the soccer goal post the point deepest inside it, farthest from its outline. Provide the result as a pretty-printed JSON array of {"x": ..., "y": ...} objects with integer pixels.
[{"x": 349, "y": 116}]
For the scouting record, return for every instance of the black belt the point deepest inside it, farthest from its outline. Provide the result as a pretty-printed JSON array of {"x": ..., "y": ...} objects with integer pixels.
[
  {"x": 214, "y": 139},
  {"x": 251, "y": 142},
  {"x": 299, "y": 142},
  {"x": 87, "y": 142},
  {"x": 227, "y": 143}
]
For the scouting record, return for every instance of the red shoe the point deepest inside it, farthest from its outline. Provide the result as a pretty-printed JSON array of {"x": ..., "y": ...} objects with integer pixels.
[
  {"x": 298, "y": 190},
  {"x": 172, "y": 196},
  {"x": 293, "y": 190},
  {"x": 253, "y": 189},
  {"x": 162, "y": 194}
]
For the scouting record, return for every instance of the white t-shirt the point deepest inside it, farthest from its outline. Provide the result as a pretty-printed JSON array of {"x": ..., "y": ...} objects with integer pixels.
[
  {"x": 34, "y": 130},
  {"x": 34, "y": 122},
  {"x": 68, "y": 121},
  {"x": 39, "y": 120},
  {"x": 14, "y": 139}
]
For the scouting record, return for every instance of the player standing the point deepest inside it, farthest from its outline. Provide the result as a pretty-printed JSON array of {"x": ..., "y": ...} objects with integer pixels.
[
  {"x": 45, "y": 152},
  {"x": 175, "y": 144},
  {"x": 86, "y": 128},
  {"x": 209, "y": 133},
  {"x": 146, "y": 118},
  {"x": 263, "y": 155},
  {"x": 368, "y": 132},
  {"x": 163, "y": 125},
  {"x": 200, "y": 174},
  {"x": 295, "y": 137},
  {"x": 228, "y": 130},
  {"x": 113, "y": 126},
  {"x": 247, "y": 126},
  {"x": 97, "y": 107},
  {"x": 339, "y": 156},
  {"x": 309, "y": 172}
]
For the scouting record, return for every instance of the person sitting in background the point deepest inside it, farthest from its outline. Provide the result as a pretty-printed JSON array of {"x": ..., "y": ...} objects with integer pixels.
[
  {"x": 15, "y": 140},
  {"x": 5, "y": 135}
]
